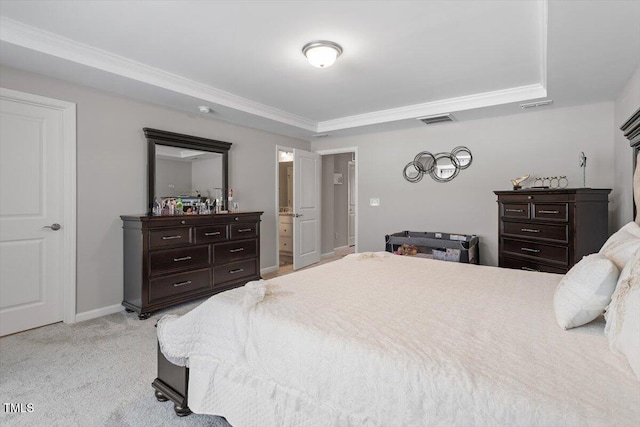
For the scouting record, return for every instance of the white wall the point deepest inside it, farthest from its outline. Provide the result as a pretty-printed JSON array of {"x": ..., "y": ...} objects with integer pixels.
[
  {"x": 540, "y": 143},
  {"x": 112, "y": 174},
  {"x": 626, "y": 104}
]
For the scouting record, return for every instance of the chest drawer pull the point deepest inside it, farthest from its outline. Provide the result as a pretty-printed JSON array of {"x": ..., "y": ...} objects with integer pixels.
[
  {"x": 171, "y": 237},
  {"x": 236, "y": 250},
  {"x": 237, "y": 270},
  {"x": 177, "y": 285},
  {"x": 514, "y": 210},
  {"x": 529, "y": 269},
  {"x": 215, "y": 233},
  {"x": 244, "y": 230},
  {"x": 184, "y": 258},
  {"x": 548, "y": 212},
  {"x": 530, "y": 230},
  {"x": 535, "y": 251}
]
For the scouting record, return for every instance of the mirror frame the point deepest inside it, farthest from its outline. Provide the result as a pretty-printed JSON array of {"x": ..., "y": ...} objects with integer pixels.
[{"x": 172, "y": 139}]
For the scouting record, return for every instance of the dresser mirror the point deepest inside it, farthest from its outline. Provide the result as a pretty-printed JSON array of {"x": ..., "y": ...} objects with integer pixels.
[{"x": 189, "y": 167}]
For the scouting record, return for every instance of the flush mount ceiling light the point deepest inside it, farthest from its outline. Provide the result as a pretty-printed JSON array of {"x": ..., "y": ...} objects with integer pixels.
[
  {"x": 322, "y": 53},
  {"x": 204, "y": 109}
]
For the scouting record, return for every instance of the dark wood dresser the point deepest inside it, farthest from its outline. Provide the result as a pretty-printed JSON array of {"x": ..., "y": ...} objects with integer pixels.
[
  {"x": 551, "y": 230},
  {"x": 169, "y": 260}
]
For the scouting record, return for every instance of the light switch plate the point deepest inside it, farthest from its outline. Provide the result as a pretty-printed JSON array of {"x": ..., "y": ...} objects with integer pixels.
[{"x": 374, "y": 201}]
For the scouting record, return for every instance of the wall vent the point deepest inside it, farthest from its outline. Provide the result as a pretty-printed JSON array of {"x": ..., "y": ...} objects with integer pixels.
[{"x": 440, "y": 118}]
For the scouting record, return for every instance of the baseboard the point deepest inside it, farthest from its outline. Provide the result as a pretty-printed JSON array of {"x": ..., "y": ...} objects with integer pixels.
[
  {"x": 328, "y": 254},
  {"x": 341, "y": 248},
  {"x": 99, "y": 312},
  {"x": 268, "y": 269}
]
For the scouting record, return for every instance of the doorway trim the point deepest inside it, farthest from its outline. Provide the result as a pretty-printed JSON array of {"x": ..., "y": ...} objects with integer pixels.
[
  {"x": 356, "y": 185},
  {"x": 69, "y": 184}
]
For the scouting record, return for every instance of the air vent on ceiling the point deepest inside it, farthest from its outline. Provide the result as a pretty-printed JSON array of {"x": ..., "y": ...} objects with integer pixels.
[
  {"x": 440, "y": 118},
  {"x": 536, "y": 104}
]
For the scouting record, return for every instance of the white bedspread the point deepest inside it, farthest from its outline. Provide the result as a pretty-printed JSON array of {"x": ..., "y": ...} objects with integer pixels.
[{"x": 386, "y": 340}]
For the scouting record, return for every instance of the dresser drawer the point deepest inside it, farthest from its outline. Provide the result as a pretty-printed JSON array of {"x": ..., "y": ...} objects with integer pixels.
[
  {"x": 537, "y": 231},
  {"x": 210, "y": 234},
  {"x": 522, "y": 264},
  {"x": 285, "y": 229},
  {"x": 169, "y": 237},
  {"x": 515, "y": 210},
  {"x": 550, "y": 211},
  {"x": 559, "y": 254},
  {"x": 226, "y": 252},
  {"x": 178, "y": 285},
  {"x": 286, "y": 244},
  {"x": 243, "y": 230},
  {"x": 235, "y": 271},
  {"x": 178, "y": 259}
]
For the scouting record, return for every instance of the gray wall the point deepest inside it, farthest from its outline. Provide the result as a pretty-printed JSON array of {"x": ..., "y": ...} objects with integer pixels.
[
  {"x": 326, "y": 205},
  {"x": 627, "y": 103},
  {"x": 341, "y": 201},
  {"x": 206, "y": 176},
  {"x": 283, "y": 183},
  {"x": 540, "y": 143},
  {"x": 173, "y": 173},
  {"x": 112, "y": 174}
]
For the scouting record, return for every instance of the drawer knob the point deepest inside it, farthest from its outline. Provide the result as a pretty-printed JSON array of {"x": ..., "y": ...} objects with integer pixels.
[
  {"x": 530, "y": 230},
  {"x": 548, "y": 212},
  {"x": 514, "y": 210},
  {"x": 212, "y": 234},
  {"x": 177, "y": 285},
  {"x": 535, "y": 251},
  {"x": 237, "y": 270},
  {"x": 236, "y": 250},
  {"x": 183, "y": 222},
  {"x": 184, "y": 258},
  {"x": 171, "y": 237},
  {"x": 529, "y": 269},
  {"x": 530, "y": 197},
  {"x": 244, "y": 230}
]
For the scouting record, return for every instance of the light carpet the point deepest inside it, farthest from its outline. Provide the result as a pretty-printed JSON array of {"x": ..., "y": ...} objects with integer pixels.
[{"x": 93, "y": 373}]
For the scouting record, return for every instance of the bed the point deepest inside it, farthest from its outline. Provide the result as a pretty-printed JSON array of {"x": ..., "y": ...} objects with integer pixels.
[{"x": 380, "y": 339}]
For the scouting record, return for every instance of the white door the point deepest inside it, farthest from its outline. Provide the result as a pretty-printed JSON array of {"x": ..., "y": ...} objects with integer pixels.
[
  {"x": 32, "y": 211},
  {"x": 351, "y": 224},
  {"x": 306, "y": 208}
]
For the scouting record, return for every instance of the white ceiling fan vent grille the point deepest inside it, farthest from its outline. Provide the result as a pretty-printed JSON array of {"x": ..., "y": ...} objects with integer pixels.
[{"x": 440, "y": 118}]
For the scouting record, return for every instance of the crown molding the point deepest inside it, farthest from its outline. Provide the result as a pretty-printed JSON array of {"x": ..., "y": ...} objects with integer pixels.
[
  {"x": 469, "y": 102},
  {"x": 29, "y": 37}
]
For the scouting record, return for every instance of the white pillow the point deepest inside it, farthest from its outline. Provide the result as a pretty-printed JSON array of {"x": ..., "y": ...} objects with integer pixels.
[
  {"x": 623, "y": 315},
  {"x": 622, "y": 244},
  {"x": 584, "y": 292}
]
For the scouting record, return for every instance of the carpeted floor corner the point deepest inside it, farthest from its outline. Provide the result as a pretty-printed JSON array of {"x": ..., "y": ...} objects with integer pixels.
[{"x": 93, "y": 373}]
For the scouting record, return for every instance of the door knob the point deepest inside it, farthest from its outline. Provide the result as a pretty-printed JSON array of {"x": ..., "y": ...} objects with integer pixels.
[
  {"x": 297, "y": 215},
  {"x": 54, "y": 226}
]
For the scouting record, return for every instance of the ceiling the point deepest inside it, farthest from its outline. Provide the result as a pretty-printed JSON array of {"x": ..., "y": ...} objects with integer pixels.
[{"x": 402, "y": 59}]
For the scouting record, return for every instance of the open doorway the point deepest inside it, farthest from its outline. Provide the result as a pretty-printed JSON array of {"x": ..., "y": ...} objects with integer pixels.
[
  {"x": 339, "y": 202},
  {"x": 298, "y": 208},
  {"x": 285, "y": 209}
]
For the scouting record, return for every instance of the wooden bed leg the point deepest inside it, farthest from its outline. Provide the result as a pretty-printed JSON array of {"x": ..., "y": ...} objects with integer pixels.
[{"x": 172, "y": 384}]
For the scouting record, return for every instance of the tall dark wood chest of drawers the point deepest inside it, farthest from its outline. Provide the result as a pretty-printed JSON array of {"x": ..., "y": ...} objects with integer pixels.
[
  {"x": 169, "y": 260},
  {"x": 551, "y": 230}
]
